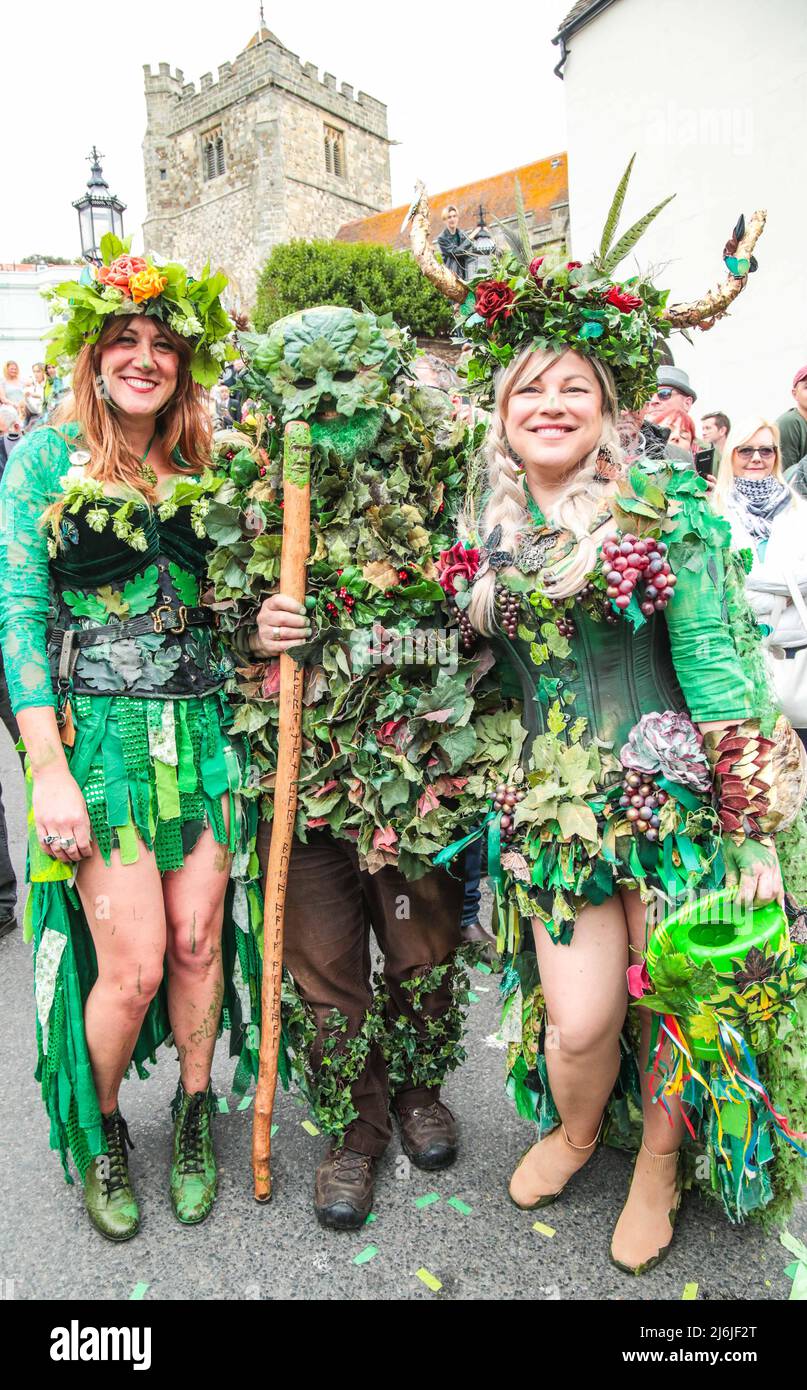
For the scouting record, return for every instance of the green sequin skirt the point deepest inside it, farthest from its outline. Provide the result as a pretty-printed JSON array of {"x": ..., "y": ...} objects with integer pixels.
[{"x": 154, "y": 773}]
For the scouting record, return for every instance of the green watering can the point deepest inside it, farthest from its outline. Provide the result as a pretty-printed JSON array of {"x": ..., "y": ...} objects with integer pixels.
[{"x": 717, "y": 928}]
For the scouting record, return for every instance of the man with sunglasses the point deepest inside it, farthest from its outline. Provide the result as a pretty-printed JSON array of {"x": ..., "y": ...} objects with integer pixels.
[{"x": 674, "y": 392}]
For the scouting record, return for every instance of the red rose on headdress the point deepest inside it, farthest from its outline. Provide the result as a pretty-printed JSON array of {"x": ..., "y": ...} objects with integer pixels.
[
  {"x": 623, "y": 301},
  {"x": 574, "y": 265},
  {"x": 453, "y": 563},
  {"x": 119, "y": 271},
  {"x": 493, "y": 301},
  {"x": 535, "y": 266}
]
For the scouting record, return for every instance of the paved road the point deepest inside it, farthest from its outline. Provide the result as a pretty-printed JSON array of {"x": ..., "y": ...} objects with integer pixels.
[{"x": 48, "y": 1250}]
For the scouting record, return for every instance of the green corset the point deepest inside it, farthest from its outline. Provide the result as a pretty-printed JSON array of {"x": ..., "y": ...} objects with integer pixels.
[{"x": 614, "y": 674}]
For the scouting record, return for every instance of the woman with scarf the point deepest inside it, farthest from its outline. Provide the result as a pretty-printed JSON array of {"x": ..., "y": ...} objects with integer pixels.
[{"x": 769, "y": 521}]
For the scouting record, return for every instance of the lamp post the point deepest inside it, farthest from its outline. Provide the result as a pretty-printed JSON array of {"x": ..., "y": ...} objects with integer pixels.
[
  {"x": 484, "y": 248},
  {"x": 99, "y": 211}
]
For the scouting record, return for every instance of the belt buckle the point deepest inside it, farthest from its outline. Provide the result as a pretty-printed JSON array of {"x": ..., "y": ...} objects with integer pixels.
[{"x": 160, "y": 626}]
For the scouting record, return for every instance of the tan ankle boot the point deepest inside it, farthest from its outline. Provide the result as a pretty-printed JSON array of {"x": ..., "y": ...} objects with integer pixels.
[
  {"x": 644, "y": 1231},
  {"x": 544, "y": 1199}
]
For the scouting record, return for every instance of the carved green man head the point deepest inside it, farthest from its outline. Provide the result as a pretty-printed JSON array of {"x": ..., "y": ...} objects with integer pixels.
[{"x": 332, "y": 367}]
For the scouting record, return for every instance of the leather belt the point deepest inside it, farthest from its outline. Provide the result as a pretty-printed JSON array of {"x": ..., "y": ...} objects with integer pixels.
[{"x": 164, "y": 618}]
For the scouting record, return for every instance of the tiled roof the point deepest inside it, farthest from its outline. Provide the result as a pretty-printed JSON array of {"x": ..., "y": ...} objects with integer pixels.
[
  {"x": 542, "y": 184},
  {"x": 579, "y": 12}
]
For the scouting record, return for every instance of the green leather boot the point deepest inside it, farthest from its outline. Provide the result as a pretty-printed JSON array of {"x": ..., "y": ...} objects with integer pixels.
[
  {"x": 193, "y": 1167},
  {"x": 108, "y": 1194}
]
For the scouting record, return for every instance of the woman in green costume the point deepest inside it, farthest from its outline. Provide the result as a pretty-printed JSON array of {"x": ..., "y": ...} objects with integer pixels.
[
  {"x": 607, "y": 589},
  {"x": 142, "y": 909}
]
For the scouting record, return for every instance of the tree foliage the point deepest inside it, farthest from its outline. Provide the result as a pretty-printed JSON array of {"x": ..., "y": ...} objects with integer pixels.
[{"x": 303, "y": 274}]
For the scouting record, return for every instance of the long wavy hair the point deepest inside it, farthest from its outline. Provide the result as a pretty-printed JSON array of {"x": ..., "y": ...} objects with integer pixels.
[
  {"x": 573, "y": 510},
  {"x": 183, "y": 423}
]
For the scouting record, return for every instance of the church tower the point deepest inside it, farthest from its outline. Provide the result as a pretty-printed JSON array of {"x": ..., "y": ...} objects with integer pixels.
[{"x": 265, "y": 153}]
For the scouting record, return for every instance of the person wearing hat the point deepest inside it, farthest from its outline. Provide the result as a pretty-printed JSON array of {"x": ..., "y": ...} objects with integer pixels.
[
  {"x": 673, "y": 392},
  {"x": 793, "y": 425}
]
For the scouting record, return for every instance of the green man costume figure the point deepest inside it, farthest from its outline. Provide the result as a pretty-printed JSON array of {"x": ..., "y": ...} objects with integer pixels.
[{"x": 389, "y": 748}]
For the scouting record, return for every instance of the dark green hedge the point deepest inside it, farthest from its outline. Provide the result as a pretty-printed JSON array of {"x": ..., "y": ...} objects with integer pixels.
[{"x": 302, "y": 274}]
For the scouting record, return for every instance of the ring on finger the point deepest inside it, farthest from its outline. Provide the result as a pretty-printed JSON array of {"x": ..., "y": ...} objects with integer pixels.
[
  {"x": 49, "y": 839},
  {"x": 66, "y": 841},
  {"x": 275, "y": 634}
]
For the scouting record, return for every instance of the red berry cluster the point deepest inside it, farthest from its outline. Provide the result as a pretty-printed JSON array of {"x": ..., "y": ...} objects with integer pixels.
[
  {"x": 566, "y": 626},
  {"x": 627, "y": 560},
  {"x": 505, "y": 800},
  {"x": 404, "y": 576},
  {"x": 641, "y": 799}
]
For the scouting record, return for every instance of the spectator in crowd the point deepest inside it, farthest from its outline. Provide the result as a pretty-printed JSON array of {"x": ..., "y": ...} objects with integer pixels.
[
  {"x": 681, "y": 427},
  {"x": 714, "y": 432},
  {"x": 34, "y": 395},
  {"x": 455, "y": 246},
  {"x": 10, "y": 433},
  {"x": 11, "y": 388},
  {"x": 770, "y": 521},
  {"x": 673, "y": 392},
  {"x": 793, "y": 424},
  {"x": 54, "y": 385}
]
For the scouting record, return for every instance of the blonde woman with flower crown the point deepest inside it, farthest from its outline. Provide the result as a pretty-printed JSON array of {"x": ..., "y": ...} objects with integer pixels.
[
  {"x": 606, "y": 589},
  {"x": 139, "y": 843}
]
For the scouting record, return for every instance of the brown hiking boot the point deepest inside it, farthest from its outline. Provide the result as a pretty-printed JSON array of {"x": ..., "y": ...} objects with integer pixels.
[
  {"x": 343, "y": 1189},
  {"x": 428, "y": 1134}
]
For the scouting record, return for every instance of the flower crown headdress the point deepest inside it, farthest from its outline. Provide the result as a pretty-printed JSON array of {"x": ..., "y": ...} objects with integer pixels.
[
  {"x": 124, "y": 284},
  {"x": 528, "y": 301}
]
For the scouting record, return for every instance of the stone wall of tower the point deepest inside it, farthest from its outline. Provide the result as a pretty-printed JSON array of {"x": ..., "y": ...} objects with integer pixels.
[{"x": 271, "y": 111}]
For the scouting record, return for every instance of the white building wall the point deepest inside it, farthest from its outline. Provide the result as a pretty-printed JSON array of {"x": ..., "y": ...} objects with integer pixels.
[
  {"x": 24, "y": 313},
  {"x": 713, "y": 98}
]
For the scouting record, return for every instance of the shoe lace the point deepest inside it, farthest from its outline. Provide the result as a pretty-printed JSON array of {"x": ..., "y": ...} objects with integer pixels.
[
  {"x": 350, "y": 1165},
  {"x": 191, "y": 1137},
  {"x": 428, "y": 1116},
  {"x": 117, "y": 1135}
]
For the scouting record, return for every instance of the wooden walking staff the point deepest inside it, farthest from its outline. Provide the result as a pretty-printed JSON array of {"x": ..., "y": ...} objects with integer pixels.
[{"x": 294, "y": 555}]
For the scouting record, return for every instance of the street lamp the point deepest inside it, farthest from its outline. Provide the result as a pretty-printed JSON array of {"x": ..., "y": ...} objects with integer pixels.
[
  {"x": 99, "y": 211},
  {"x": 484, "y": 248}
]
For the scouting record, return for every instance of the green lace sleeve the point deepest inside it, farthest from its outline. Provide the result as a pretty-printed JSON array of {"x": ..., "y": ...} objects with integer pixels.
[
  {"x": 30, "y": 483},
  {"x": 710, "y": 671}
]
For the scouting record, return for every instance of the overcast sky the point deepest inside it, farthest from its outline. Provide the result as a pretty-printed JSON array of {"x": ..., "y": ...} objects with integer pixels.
[{"x": 469, "y": 86}]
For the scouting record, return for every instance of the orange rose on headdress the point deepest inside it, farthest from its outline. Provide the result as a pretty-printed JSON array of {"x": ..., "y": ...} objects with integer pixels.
[
  {"x": 147, "y": 284},
  {"x": 120, "y": 272}
]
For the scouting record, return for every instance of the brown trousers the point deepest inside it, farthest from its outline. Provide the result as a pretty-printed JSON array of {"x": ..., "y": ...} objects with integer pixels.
[{"x": 331, "y": 906}]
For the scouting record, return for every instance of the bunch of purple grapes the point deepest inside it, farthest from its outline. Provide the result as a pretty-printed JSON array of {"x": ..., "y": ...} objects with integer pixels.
[
  {"x": 627, "y": 560},
  {"x": 641, "y": 801},
  {"x": 506, "y": 799}
]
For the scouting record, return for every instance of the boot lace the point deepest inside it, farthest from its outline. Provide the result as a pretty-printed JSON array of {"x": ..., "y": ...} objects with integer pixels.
[
  {"x": 191, "y": 1138},
  {"x": 350, "y": 1165},
  {"x": 117, "y": 1135}
]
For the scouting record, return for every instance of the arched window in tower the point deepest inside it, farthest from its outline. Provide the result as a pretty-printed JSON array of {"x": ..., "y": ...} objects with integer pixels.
[
  {"x": 334, "y": 151},
  {"x": 213, "y": 162}
]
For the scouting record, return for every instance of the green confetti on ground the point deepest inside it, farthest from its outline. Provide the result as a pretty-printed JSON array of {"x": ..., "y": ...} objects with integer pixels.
[
  {"x": 427, "y": 1200},
  {"x": 429, "y": 1280},
  {"x": 371, "y": 1217},
  {"x": 690, "y": 1293},
  {"x": 138, "y": 1291},
  {"x": 221, "y": 1101},
  {"x": 245, "y": 1103},
  {"x": 460, "y": 1206},
  {"x": 483, "y": 968},
  {"x": 309, "y": 1128},
  {"x": 273, "y": 1131},
  {"x": 366, "y": 1254},
  {"x": 474, "y": 998},
  {"x": 542, "y": 1229}
]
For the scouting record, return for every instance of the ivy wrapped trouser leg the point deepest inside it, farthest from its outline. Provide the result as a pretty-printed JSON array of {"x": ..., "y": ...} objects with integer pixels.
[{"x": 331, "y": 907}]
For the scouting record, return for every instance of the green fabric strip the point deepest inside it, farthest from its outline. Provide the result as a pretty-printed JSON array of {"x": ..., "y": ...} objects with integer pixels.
[
  {"x": 165, "y": 777},
  {"x": 188, "y": 780},
  {"x": 116, "y": 784}
]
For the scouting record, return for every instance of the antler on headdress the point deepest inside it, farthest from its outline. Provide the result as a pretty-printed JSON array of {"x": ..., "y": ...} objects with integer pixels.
[
  {"x": 703, "y": 312},
  {"x": 441, "y": 277}
]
